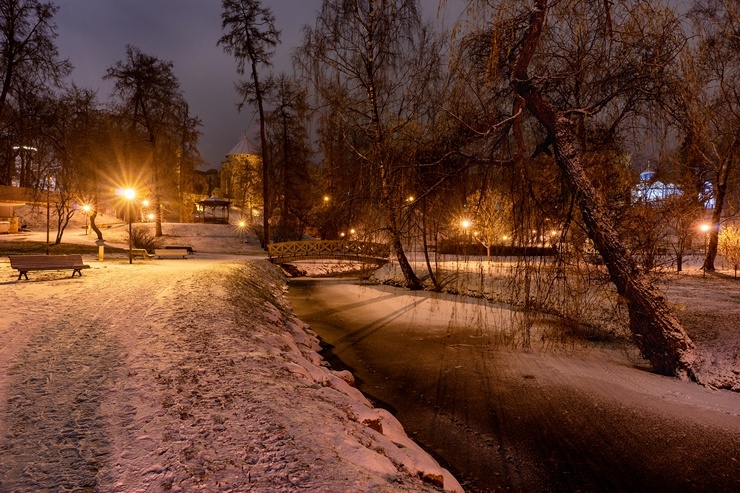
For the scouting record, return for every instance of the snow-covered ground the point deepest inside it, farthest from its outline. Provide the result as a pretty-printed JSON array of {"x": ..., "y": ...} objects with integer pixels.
[
  {"x": 183, "y": 375},
  {"x": 193, "y": 374}
]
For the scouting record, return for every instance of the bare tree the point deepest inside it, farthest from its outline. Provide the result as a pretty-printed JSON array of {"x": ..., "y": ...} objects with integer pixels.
[
  {"x": 379, "y": 57},
  {"x": 729, "y": 246},
  {"x": 288, "y": 134},
  {"x": 29, "y": 67},
  {"x": 249, "y": 36},
  {"x": 707, "y": 109},
  {"x": 571, "y": 63},
  {"x": 156, "y": 112}
]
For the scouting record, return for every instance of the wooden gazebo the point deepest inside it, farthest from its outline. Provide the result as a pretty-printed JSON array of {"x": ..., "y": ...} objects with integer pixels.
[{"x": 214, "y": 210}]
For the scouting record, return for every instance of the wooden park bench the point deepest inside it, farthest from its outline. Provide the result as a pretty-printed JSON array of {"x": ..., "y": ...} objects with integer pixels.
[
  {"x": 26, "y": 263},
  {"x": 171, "y": 252},
  {"x": 139, "y": 252}
]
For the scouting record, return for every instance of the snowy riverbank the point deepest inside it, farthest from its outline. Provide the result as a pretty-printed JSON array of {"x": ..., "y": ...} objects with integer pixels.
[{"x": 708, "y": 306}]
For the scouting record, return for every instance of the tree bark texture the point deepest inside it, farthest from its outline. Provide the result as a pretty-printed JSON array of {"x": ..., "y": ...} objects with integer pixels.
[{"x": 656, "y": 332}]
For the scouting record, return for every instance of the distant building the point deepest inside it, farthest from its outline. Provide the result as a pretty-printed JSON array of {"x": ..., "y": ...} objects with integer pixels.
[
  {"x": 651, "y": 190},
  {"x": 241, "y": 180}
]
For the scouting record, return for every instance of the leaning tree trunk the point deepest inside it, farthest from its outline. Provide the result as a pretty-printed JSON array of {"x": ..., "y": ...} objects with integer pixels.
[
  {"x": 411, "y": 279},
  {"x": 656, "y": 332},
  {"x": 94, "y": 226}
]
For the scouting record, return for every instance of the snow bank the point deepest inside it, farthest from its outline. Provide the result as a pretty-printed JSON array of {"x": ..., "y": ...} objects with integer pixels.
[{"x": 376, "y": 440}]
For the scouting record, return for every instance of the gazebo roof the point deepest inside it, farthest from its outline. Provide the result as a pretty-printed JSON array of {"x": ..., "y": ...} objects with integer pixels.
[{"x": 214, "y": 202}]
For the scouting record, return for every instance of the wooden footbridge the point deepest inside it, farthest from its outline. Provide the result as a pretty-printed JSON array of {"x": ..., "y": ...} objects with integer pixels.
[{"x": 359, "y": 251}]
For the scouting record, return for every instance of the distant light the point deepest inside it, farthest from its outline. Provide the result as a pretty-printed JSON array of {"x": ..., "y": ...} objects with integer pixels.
[
  {"x": 410, "y": 198},
  {"x": 504, "y": 237},
  {"x": 704, "y": 227},
  {"x": 553, "y": 233},
  {"x": 86, "y": 208},
  {"x": 242, "y": 224},
  {"x": 341, "y": 234},
  {"x": 145, "y": 203},
  {"x": 151, "y": 216},
  {"x": 326, "y": 198},
  {"x": 351, "y": 231},
  {"x": 129, "y": 193},
  {"x": 465, "y": 223}
]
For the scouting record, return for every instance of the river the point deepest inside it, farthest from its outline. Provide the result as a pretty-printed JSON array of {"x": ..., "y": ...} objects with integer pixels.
[{"x": 512, "y": 403}]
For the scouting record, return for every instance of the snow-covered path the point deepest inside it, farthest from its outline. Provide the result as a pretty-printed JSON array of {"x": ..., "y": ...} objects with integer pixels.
[{"x": 182, "y": 375}]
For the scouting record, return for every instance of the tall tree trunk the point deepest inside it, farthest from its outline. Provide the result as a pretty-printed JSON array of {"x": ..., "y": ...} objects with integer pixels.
[
  {"x": 655, "y": 331},
  {"x": 432, "y": 276},
  {"x": 720, "y": 191},
  {"x": 412, "y": 281},
  {"x": 265, "y": 157}
]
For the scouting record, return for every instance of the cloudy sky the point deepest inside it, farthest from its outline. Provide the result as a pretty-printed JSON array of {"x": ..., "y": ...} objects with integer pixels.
[{"x": 93, "y": 35}]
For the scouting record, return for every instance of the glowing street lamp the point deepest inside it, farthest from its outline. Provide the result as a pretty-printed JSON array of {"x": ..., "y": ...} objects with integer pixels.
[
  {"x": 241, "y": 226},
  {"x": 705, "y": 229},
  {"x": 129, "y": 194},
  {"x": 465, "y": 223},
  {"x": 86, "y": 209}
]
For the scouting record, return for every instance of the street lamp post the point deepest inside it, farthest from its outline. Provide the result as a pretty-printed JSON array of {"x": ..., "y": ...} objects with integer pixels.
[
  {"x": 86, "y": 209},
  {"x": 129, "y": 194},
  {"x": 242, "y": 227},
  {"x": 466, "y": 228},
  {"x": 48, "y": 213},
  {"x": 705, "y": 229}
]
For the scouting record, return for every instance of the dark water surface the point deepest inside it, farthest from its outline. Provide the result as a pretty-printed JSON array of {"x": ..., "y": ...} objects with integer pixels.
[{"x": 508, "y": 405}]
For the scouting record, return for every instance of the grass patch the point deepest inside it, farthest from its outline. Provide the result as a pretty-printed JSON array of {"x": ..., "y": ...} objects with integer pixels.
[{"x": 39, "y": 248}]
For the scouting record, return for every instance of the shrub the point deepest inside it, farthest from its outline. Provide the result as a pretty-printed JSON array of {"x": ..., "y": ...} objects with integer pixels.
[{"x": 141, "y": 237}]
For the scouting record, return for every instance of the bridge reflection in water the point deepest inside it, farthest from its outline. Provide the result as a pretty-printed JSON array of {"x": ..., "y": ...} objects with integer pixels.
[{"x": 360, "y": 251}]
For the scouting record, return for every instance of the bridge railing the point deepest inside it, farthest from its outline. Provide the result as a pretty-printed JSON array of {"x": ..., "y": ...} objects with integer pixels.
[{"x": 362, "y": 251}]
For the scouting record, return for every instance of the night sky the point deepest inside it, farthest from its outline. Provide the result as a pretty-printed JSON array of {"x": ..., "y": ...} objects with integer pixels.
[{"x": 93, "y": 35}]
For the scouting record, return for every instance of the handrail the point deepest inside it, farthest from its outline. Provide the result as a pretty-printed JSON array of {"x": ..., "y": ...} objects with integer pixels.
[{"x": 362, "y": 251}]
